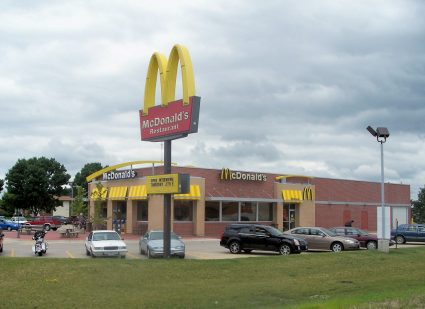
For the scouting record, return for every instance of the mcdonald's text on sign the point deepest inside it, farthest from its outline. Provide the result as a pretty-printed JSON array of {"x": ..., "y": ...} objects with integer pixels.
[
  {"x": 170, "y": 122},
  {"x": 227, "y": 174},
  {"x": 168, "y": 184}
]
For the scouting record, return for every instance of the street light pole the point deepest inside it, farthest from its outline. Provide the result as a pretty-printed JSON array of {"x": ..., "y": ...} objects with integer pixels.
[{"x": 381, "y": 135}]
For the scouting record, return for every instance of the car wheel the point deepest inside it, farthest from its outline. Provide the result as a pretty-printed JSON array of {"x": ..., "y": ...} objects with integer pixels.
[
  {"x": 87, "y": 252},
  {"x": 234, "y": 247},
  {"x": 371, "y": 245},
  {"x": 40, "y": 253},
  {"x": 400, "y": 240},
  {"x": 123, "y": 256},
  {"x": 181, "y": 256},
  {"x": 140, "y": 250},
  {"x": 148, "y": 253},
  {"x": 247, "y": 250},
  {"x": 337, "y": 247},
  {"x": 284, "y": 249},
  {"x": 47, "y": 227}
]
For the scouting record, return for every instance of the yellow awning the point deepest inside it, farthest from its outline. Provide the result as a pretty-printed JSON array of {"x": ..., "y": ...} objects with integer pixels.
[
  {"x": 95, "y": 194},
  {"x": 292, "y": 195},
  {"x": 138, "y": 193},
  {"x": 117, "y": 193},
  {"x": 194, "y": 194}
]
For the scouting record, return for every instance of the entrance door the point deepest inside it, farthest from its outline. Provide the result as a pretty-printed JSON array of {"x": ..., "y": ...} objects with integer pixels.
[
  {"x": 288, "y": 216},
  {"x": 119, "y": 215}
]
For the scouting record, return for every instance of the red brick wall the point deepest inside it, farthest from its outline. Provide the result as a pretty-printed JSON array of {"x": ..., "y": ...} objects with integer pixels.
[
  {"x": 360, "y": 191},
  {"x": 183, "y": 228},
  {"x": 335, "y": 215}
]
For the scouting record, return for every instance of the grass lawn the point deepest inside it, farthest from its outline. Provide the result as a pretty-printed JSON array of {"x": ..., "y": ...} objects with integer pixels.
[{"x": 364, "y": 279}]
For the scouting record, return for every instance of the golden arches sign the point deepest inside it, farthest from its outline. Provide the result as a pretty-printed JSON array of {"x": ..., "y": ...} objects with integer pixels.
[{"x": 172, "y": 119}]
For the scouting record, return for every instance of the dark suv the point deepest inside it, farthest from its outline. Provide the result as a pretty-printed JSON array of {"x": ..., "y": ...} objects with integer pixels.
[{"x": 248, "y": 237}]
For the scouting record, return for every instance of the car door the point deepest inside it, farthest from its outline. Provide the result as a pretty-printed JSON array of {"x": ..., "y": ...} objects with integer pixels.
[
  {"x": 247, "y": 238},
  {"x": 262, "y": 238},
  {"x": 321, "y": 240},
  {"x": 421, "y": 233},
  {"x": 144, "y": 242}
]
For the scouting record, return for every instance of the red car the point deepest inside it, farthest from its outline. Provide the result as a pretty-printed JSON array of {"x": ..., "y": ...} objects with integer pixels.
[
  {"x": 365, "y": 239},
  {"x": 48, "y": 222}
]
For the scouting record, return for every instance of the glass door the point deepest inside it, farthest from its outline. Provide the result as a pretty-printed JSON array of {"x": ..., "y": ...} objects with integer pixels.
[{"x": 288, "y": 216}]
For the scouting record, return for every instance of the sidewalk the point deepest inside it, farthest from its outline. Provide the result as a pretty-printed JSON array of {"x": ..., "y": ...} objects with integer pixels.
[{"x": 54, "y": 235}]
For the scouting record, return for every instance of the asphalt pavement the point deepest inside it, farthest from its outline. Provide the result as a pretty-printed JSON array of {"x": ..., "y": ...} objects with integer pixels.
[{"x": 60, "y": 247}]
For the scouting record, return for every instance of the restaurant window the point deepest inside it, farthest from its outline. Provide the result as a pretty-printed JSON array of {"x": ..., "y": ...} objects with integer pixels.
[
  {"x": 212, "y": 211},
  {"x": 248, "y": 211},
  {"x": 142, "y": 210},
  {"x": 265, "y": 211},
  {"x": 183, "y": 210},
  {"x": 230, "y": 211}
]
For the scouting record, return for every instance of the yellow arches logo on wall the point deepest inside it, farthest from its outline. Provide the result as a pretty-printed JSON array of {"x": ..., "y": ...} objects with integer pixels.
[
  {"x": 172, "y": 119},
  {"x": 308, "y": 194}
]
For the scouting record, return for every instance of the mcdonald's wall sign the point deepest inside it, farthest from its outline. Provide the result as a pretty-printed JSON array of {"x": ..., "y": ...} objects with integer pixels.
[
  {"x": 172, "y": 119},
  {"x": 308, "y": 194},
  {"x": 227, "y": 174}
]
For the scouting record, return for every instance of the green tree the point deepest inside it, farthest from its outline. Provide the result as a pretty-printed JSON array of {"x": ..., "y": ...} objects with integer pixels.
[
  {"x": 418, "y": 210},
  {"x": 78, "y": 205},
  {"x": 35, "y": 184},
  {"x": 1, "y": 184},
  {"x": 88, "y": 169},
  {"x": 97, "y": 219}
]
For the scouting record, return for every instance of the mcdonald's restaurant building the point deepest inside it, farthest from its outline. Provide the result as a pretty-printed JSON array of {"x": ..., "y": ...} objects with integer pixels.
[{"x": 220, "y": 197}]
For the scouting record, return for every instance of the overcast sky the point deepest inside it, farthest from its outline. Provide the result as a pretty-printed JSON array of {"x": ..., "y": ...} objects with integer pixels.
[{"x": 286, "y": 86}]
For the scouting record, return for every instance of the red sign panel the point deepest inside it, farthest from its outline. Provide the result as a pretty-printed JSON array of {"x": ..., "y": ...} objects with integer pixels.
[{"x": 169, "y": 122}]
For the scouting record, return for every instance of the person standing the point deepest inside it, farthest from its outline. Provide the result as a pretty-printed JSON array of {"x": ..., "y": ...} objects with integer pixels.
[{"x": 349, "y": 223}]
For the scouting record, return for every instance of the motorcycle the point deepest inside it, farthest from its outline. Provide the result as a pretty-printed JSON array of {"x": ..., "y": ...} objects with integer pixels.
[{"x": 40, "y": 246}]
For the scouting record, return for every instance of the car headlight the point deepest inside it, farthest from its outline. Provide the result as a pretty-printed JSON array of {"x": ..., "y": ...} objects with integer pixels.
[
  {"x": 296, "y": 242},
  {"x": 351, "y": 241},
  {"x": 179, "y": 247}
]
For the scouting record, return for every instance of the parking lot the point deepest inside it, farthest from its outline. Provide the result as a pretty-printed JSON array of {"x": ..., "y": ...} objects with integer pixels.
[{"x": 196, "y": 248}]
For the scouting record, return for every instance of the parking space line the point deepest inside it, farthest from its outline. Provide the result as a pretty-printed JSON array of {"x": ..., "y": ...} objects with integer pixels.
[
  {"x": 69, "y": 254},
  {"x": 12, "y": 253},
  {"x": 132, "y": 255}
]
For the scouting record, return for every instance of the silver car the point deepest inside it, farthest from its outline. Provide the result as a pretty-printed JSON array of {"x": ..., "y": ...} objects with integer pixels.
[
  {"x": 319, "y": 238},
  {"x": 152, "y": 244},
  {"x": 105, "y": 243}
]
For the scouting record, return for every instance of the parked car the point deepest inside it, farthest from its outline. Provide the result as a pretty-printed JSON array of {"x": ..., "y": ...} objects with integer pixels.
[
  {"x": 365, "y": 239},
  {"x": 152, "y": 244},
  {"x": 409, "y": 232},
  {"x": 19, "y": 219},
  {"x": 9, "y": 225},
  {"x": 105, "y": 243},
  {"x": 319, "y": 238},
  {"x": 48, "y": 222},
  {"x": 62, "y": 219},
  {"x": 248, "y": 237}
]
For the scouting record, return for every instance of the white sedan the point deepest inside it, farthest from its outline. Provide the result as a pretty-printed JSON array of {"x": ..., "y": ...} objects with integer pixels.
[{"x": 105, "y": 243}]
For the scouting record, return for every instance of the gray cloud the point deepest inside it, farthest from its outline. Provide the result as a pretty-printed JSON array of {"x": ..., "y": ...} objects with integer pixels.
[{"x": 286, "y": 86}]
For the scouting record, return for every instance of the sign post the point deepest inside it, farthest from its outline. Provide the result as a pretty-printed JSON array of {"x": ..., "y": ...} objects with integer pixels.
[{"x": 171, "y": 120}]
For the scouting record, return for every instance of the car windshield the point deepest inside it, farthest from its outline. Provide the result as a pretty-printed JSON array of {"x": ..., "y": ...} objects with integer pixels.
[
  {"x": 106, "y": 236},
  {"x": 329, "y": 232},
  {"x": 160, "y": 235},
  {"x": 363, "y": 233},
  {"x": 274, "y": 231}
]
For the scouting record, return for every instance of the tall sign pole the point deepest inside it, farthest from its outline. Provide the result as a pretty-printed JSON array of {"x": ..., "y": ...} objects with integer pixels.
[
  {"x": 168, "y": 121},
  {"x": 167, "y": 201}
]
